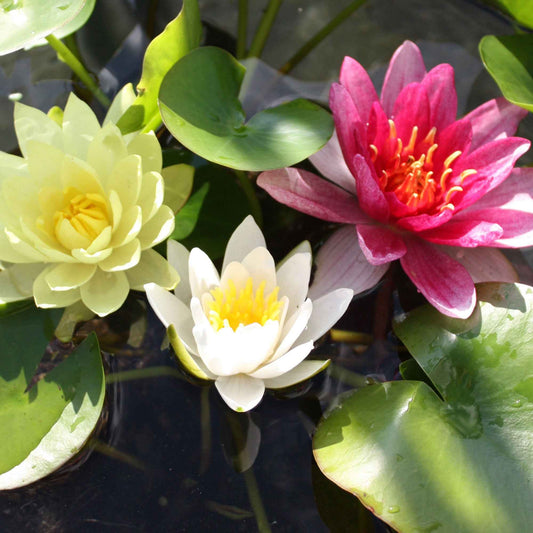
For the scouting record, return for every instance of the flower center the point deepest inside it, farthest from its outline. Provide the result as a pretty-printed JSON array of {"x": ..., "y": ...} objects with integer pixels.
[
  {"x": 232, "y": 308},
  {"x": 410, "y": 173},
  {"x": 86, "y": 212}
]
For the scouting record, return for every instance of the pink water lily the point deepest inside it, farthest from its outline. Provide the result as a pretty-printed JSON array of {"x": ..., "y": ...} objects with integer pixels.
[{"x": 437, "y": 193}]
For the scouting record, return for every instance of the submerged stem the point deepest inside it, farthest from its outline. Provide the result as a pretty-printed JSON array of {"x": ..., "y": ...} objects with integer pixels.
[
  {"x": 320, "y": 36},
  {"x": 255, "y": 500},
  {"x": 353, "y": 379},
  {"x": 263, "y": 31},
  {"x": 205, "y": 423},
  {"x": 242, "y": 28},
  {"x": 65, "y": 55},
  {"x": 141, "y": 373},
  {"x": 253, "y": 201}
]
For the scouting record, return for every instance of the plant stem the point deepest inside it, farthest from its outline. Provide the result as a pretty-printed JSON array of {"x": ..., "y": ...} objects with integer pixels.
[
  {"x": 249, "y": 191},
  {"x": 205, "y": 423},
  {"x": 255, "y": 500},
  {"x": 141, "y": 373},
  {"x": 263, "y": 31},
  {"x": 65, "y": 55},
  {"x": 320, "y": 36},
  {"x": 347, "y": 376},
  {"x": 242, "y": 27}
]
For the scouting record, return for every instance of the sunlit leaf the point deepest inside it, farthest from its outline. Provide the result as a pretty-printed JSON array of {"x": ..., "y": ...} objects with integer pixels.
[
  {"x": 179, "y": 37},
  {"x": 178, "y": 184},
  {"x": 458, "y": 462},
  {"x": 509, "y": 60},
  {"x": 43, "y": 427},
  {"x": 520, "y": 10},
  {"x": 187, "y": 217},
  {"x": 25, "y": 22},
  {"x": 200, "y": 106}
]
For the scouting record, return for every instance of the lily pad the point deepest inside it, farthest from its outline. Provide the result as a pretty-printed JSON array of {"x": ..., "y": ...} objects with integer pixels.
[
  {"x": 458, "y": 462},
  {"x": 520, "y": 10},
  {"x": 509, "y": 60},
  {"x": 179, "y": 37},
  {"x": 25, "y": 22},
  {"x": 43, "y": 427},
  {"x": 199, "y": 103}
]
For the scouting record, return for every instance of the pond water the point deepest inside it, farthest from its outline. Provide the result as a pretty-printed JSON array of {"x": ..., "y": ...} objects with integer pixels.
[{"x": 170, "y": 453}]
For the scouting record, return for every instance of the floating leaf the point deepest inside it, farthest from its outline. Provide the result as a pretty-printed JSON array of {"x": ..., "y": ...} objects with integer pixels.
[
  {"x": 458, "y": 462},
  {"x": 200, "y": 106},
  {"x": 25, "y": 22},
  {"x": 187, "y": 217},
  {"x": 43, "y": 427},
  {"x": 179, "y": 37},
  {"x": 509, "y": 60},
  {"x": 520, "y": 10}
]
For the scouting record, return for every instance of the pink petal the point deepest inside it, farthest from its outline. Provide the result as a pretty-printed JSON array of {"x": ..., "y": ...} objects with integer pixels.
[
  {"x": 495, "y": 119},
  {"x": 371, "y": 197},
  {"x": 424, "y": 222},
  {"x": 310, "y": 194},
  {"x": 465, "y": 233},
  {"x": 445, "y": 283},
  {"x": 440, "y": 87},
  {"x": 378, "y": 129},
  {"x": 357, "y": 82},
  {"x": 330, "y": 163},
  {"x": 379, "y": 244},
  {"x": 483, "y": 264},
  {"x": 457, "y": 136},
  {"x": 341, "y": 263},
  {"x": 412, "y": 109},
  {"x": 493, "y": 162},
  {"x": 405, "y": 67}
]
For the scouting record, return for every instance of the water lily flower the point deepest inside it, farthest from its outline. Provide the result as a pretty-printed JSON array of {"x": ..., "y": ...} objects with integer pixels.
[
  {"x": 252, "y": 326},
  {"x": 81, "y": 210},
  {"x": 437, "y": 193}
]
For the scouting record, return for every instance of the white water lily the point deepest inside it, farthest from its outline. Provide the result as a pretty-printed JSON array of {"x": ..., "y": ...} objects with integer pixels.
[
  {"x": 251, "y": 327},
  {"x": 81, "y": 210}
]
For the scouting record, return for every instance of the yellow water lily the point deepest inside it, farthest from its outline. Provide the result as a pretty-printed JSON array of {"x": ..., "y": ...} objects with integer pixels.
[{"x": 81, "y": 210}]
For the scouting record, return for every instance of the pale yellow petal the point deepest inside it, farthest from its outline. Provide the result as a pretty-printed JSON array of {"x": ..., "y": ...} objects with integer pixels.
[
  {"x": 116, "y": 209},
  {"x": 106, "y": 149},
  {"x": 8, "y": 291},
  {"x": 152, "y": 268},
  {"x": 147, "y": 146},
  {"x": 46, "y": 244},
  {"x": 158, "y": 228},
  {"x": 21, "y": 246},
  {"x": 123, "y": 257},
  {"x": 178, "y": 185},
  {"x": 10, "y": 254},
  {"x": 21, "y": 196},
  {"x": 84, "y": 256},
  {"x": 45, "y": 163},
  {"x": 151, "y": 195},
  {"x": 105, "y": 292},
  {"x": 126, "y": 179},
  {"x": 45, "y": 297},
  {"x": 122, "y": 100},
  {"x": 68, "y": 237},
  {"x": 102, "y": 241},
  {"x": 23, "y": 276},
  {"x": 129, "y": 226},
  {"x": 64, "y": 277},
  {"x": 80, "y": 125},
  {"x": 81, "y": 176}
]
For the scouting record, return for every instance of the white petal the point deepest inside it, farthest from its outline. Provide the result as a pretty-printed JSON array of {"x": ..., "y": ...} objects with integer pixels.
[
  {"x": 326, "y": 311},
  {"x": 285, "y": 363},
  {"x": 178, "y": 257},
  {"x": 123, "y": 257},
  {"x": 244, "y": 239},
  {"x": 261, "y": 267},
  {"x": 158, "y": 228},
  {"x": 236, "y": 273},
  {"x": 293, "y": 328},
  {"x": 152, "y": 267},
  {"x": 67, "y": 276},
  {"x": 305, "y": 370},
  {"x": 147, "y": 146},
  {"x": 172, "y": 311},
  {"x": 240, "y": 392},
  {"x": 341, "y": 263},
  {"x": 202, "y": 273},
  {"x": 80, "y": 125},
  {"x": 293, "y": 280},
  {"x": 330, "y": 162},
  {"x": 303, "y": 247},
  {"x": 105, "y": 292}
]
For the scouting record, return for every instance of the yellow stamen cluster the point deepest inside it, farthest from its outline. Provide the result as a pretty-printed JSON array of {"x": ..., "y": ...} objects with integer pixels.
[
  {"x": 412, "y": 177},
  {"x": 232, "y": 307},
  {"x": 87, "y": 213}
]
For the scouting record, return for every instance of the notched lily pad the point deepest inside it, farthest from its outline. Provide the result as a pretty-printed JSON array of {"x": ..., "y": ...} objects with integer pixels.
[
  {"x": 459, "y": 460},
  {"x": 199, "y": 104},
  {"x": 43, "y": 427}
]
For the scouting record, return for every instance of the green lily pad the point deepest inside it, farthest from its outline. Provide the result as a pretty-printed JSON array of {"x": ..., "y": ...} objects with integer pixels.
[
  {"x": 458, "y": 462},
  {"x": 43, "y": 427},
  {"x": 187, "y": 216},
  {"x": 199, "y": 105},
  {"x": 520, "y": 10},
  {"x": 179, "y": 37},
  {"x": 25, "y": 22},
  {"x": 509, "y": 60}
]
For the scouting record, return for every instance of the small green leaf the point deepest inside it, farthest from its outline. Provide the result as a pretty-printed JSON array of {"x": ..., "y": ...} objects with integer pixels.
[
  {"x": 187, "y": 217},
  {"x": 456, "y": 461},
  {"x": 179, "y": 37},
  {"x": 43, "y": 427},
  {"x": 509, "y": 60},
  {"x": 200, "y": 106},
  {"x": 520, "y": 10},
  {"x": 25, "y": 22}
]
